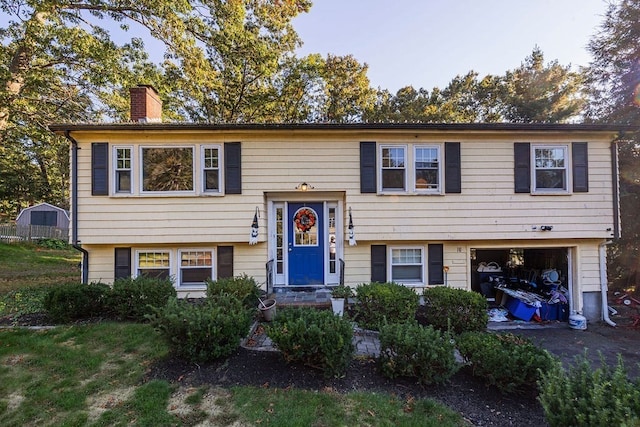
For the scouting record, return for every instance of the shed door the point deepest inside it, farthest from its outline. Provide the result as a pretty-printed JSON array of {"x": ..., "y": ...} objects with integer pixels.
[
  {"x": 306, "y": 244},
  {"x": 48, "y": 218}
]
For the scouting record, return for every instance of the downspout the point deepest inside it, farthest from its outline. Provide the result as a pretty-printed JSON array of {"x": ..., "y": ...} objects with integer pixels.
[
  {"x": 74, "y": 207},
  {"x": 602, "y": 250}
]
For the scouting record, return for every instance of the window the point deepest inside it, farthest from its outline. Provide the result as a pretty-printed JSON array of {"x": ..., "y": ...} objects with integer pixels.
[
  {"x": 195, "y": 267},
  {"x": 305, "y": 227},
  {"x": 550, "y": 168},
  {"x": 407, "y": 265},
  {"x": 393, "y": 168},
  {"x": 154, "y": 264},
  {"x": 279, "y": 240},
  {"x": 167, "y": 169},
  {"x": 427, "y": 168},
  {"x": 123, "y": 169},
  {"x": 211, "y": 169}
]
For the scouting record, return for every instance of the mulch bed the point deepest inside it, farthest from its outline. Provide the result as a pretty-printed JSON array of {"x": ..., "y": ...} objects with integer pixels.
[{"x": 479, "y": 404}]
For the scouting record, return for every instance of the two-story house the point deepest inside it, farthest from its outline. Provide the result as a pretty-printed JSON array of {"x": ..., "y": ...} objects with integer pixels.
[{"x": 418, "y": 204}]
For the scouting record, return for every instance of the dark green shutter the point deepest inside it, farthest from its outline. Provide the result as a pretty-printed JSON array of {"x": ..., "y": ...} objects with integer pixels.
[
  {"x": 368, "y": 173},
  {"x": 225, "y": 262},
  {"x": 580, "y": 165},
  {"x": 99, "y": 169},
  {"x": 436, "y": 264},
  {"x": 522, "y": 172},
  {"x": 122, "y": 266},
  {"x": 379, "y": 263},
  {"x": 452, "y": 169},
  {"x": 232, "y": 168}
]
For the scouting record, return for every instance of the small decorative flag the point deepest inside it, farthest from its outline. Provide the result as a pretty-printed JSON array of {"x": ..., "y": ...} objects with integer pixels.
[
  {"x": 253, "y": 239},
  {"x": 352, "y": 237}
]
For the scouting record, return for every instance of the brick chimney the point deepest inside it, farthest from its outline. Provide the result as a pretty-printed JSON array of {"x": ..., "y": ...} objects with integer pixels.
[{"x": 146, "y": 105}]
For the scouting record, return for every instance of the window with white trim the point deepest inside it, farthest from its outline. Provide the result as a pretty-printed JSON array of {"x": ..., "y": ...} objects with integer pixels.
[
  {"x": 122, "y": 170},
  {"x": 211, "y": 169},
  {"x": 156, "y": 264},
  {"x": 393, "y": 160},
  {"x": 407, "y": 265},
  {"x": 196, "y": 266},
  {"x": 551, "y": 168},
  {"x": 427, "y": 168}
]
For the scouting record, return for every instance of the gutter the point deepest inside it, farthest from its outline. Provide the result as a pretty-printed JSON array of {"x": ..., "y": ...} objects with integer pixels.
[
  {"x": 602, "y": 247},
  {"x": 74, "y": 208}
]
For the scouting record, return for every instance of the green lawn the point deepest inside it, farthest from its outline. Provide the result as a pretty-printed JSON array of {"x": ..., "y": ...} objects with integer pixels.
[
  {"x": 30, "y": 265},
  {"x": 94, "y": 375}
]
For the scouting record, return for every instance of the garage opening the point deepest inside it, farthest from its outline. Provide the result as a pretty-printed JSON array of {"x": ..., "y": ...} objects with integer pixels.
[{"x": 523, "y": 284}]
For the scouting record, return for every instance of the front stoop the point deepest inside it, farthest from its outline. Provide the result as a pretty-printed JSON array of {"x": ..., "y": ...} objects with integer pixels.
[{"x": 319, "y": 298}]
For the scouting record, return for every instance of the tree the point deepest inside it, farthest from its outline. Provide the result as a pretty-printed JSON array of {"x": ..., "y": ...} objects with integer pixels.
[
  {"x": 613, "y": 79},
  {"x": 298, "y": 91},
  {"x": 247, "y": 44},
  {"x": 537, "y": 93},
  {"x": 59, "y": 63},
  {"x": 348, "y": 92}
]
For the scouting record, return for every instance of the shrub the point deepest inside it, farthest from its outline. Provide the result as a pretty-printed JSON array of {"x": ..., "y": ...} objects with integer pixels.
[
  {"x": 380, "y": 303},
  {"x": 409, "y": 349},
  {"x": 583, "y": 396},
  {"x": 242, "y": 287},
  {"x": 75, "y": 301},
  {"x": 51, "y": 243},
  {"x": 511, "y": 363},
  {"x": 342, "y": 291},
  {"x": 133, "y": 299},
  {"x": 202, "y": 332},
  {"x": 455, "y": 310},
  {"x": 316, "y": 338},
  {"x": 23, "y": 301}
]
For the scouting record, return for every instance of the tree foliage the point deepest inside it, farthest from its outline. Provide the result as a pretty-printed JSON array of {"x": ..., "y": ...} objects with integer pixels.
[
  {"x": 60, "y": 63},
  {"x": 533, "y": 92},
  {"x": 613, "y": 79},
  {"x": 539, "y": 93}
]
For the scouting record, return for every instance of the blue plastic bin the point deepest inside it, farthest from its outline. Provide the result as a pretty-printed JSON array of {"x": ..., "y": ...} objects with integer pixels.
[{"x": 519, "y": 309}]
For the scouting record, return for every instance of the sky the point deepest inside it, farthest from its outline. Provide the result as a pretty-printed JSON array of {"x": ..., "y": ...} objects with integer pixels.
[{"x": 426, "y": 43}]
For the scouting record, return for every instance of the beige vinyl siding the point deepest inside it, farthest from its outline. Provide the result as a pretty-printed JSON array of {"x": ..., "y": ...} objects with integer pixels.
[
  {"x": 101, "y": 263},
  {"x": 357, "y": 264},
  {"x": 276, "y": 162}
]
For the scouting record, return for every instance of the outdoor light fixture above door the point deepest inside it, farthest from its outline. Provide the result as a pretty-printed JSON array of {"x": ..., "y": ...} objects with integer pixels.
[{"x": 304, "y": 187}]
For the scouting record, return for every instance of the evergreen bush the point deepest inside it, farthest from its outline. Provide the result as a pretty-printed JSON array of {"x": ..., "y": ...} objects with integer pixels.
[
  {"x": 583, "y": 396},
  {"x": 380, "y": 303},
  {"x": 133, "y": 299},
  {"x": 73, "y": 301},
  {"x": 202, "y": 332},
  {"x": 511, "y": 363},
  {"x": 455, "y": 310},
  {"x": 242, "y": 287},
  {"x": 409, "y": 349},
  {"x": 317, "y": 338}
]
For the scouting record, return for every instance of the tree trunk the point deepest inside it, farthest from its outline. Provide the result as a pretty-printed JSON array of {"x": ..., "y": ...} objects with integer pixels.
[{"x": 20, "y": 64}]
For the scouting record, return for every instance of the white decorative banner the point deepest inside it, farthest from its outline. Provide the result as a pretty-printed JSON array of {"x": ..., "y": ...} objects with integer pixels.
[
  {"x": 352, "y": 236},
  {"x": 253, "y": 239}
]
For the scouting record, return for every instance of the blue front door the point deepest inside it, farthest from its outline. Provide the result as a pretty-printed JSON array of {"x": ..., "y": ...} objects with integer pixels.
[{"x": 306, "y": 243}]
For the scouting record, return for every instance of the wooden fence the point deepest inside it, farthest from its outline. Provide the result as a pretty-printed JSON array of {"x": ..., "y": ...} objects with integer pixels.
[{"x": 15, "y": 233}]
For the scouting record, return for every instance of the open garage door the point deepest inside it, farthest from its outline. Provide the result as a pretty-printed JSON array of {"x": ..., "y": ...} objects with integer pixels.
[{"x": 528, "y": 282}]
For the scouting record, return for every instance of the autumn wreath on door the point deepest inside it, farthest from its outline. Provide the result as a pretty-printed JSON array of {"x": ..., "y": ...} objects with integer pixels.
[{"x": 304, "y": 219}]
